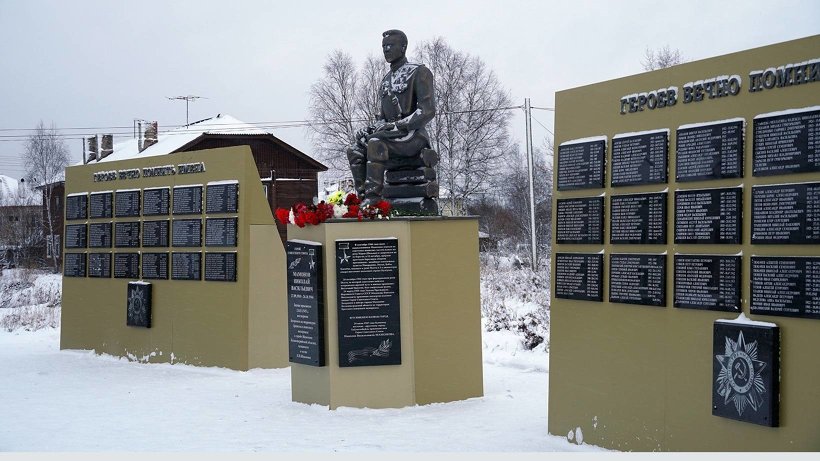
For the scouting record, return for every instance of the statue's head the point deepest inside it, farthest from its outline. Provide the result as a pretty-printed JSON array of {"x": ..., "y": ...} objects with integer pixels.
[{"x": 394, "y": 45}]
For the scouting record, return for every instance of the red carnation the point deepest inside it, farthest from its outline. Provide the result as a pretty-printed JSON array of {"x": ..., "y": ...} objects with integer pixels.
[
  {"x": 384, "y": 207},
  {"x": 352, "y": 200},
  {"x": 283, "y": 215}
]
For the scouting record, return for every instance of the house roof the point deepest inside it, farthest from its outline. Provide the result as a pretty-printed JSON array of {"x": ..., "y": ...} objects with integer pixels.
[{"x": 15, "y": 193}]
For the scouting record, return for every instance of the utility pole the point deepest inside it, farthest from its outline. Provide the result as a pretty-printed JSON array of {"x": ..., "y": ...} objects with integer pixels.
[
  {"x": 530, "y": 163},
  {"x": 187, "y": 99}
]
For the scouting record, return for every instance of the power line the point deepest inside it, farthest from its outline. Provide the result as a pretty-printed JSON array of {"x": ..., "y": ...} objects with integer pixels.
[{"x": 544, "y": 126}]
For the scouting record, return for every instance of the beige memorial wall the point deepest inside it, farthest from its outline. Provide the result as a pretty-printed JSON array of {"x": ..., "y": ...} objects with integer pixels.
[{"x": 686, "y": 256}]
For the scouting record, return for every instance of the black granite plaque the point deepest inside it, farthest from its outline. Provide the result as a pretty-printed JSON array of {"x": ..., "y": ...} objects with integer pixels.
[
  {"x": 367, "y": 288},
  {"x": 638, "y": 218},
  {"x": 581, "y": 164},
  {"x": 222, "y": 197},
  {"x": 221, "y": 232},
  {"x": 306, "y": 303},
  {"x": 786, "y": 286},
  {"x": 127, "y": 203},
  {"x": 76, "y": 236},
  {"x": 138, "y": 305},
  {"x": 746, "y": 372},
  {"x": 99, "y": 265},
  {"x": 101, "y": 205},
  {"x": 126, "y": 265},
  {"x": 220, "y": 267},
  {"x": 580, "y": 220},
  {"x": 186, "y": 266},
  {"x": 709, "y": 151},
  {"x": 640, "y": 158},
  {"x": 187, "y": 233},
  {"x": 708, "y": 215},
  {"x": 99, "y": 235},
  {"x": 188, "y": 200},
  {"x": 127, "y": 234},
  {"x": 786, "y": 213},
  {"x": 76, "y": 206},
  {"x": 637, "y": 279},
  {"x": 707, "y": 282},
  {"x": 155, "y": 233},
  {"x": 786, "y": 143},
  {"x": 155, "y": 266},
  {"x": 579, "y": 276},
  {"x": 74, "y": 264},
  {"x": 156, "y": 201}
]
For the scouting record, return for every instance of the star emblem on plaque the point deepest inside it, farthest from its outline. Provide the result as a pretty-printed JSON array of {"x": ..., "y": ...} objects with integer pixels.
[{"x": 139, "y": 305}]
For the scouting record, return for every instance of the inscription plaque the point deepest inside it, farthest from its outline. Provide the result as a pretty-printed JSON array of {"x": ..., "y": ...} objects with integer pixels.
[
  {"x": 708, "y": 215},
  {"x": 126, "y": 265},
  {"x": 786, "y": 213},
  {"x": 709, "y": 151},
  {"x": 220, "y": 267},
  {"x": 74, "y": 264},
  {"x": 127, "y": 234},
  {"x": 221, "y": 232},
  {"x": 306, "y": 303},
  {"x": 222, "y": 197},
  {"x": 186, "y": 266},
  {"x": 581, "y": 164},
  {"x": 637, "y": 279},
  {"x": 155, "y": 233},
  {"x": 640, "y": 158},
  {"x": 786, "y": 286},
  {"x": 138, "y": 305},
  {"x": 638, "y": 218},
  {"x": 155, "y": 266},
  {"x": 786, "y": 142},
  {"x": 580, "y": 220},
  {"x": 99, "y": 235},
  {"x": 76, "y": 236},
  {"x": 188, "y": 200},
  {"x": 579, "y": 276},
  {"x": 156, "y": 201},
  {"x": 101, "y": 205},
  {"x": 76, "y": 206},
  {"x": 99, "y": 265},
  {"x": 707, "y": 282},
  {"x": 127, "y": 203},
  {"x": 187, "y": 233},
  {"x": 367, "y": 287}
]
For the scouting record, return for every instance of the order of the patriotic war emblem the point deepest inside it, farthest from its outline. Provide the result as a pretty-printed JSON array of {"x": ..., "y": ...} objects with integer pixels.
[{"x": 139, "y": 305}]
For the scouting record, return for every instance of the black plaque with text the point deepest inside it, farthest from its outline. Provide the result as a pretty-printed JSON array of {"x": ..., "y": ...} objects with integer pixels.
[
  {"x": 306, "y": 303},
  {"x": 156, "y": 201},
  {"x": 787, "y": 143},
  {"x": 127, "y": 234},
  {"x": 222, "y": 197},
  {"x": 640, "y": 158},
  {"x": 155, "y": 233},
  {"x": 581, "y": 164},
  {"x": 186, "y": 266},
  {"x": 99, "y": 265},
  {"x": 188, "y": 200},
  {"x": 220, "y": 267},
  {"x": 637, "y": 279},
  {"x": 638, "y": 218},
  {"x": 101, "y": 205},
  {"x": 138, "y": 305},
  {"x": 367, "y": 288},
  {"x": 155, "y": 266},
  {"x": 99, "y": 235},
  {"x": 76, "y": 236},
  {"x": 221, "y": 232},
  {"x": 709, "y": 151},
  {"x": 187, "y": 233},
  {"x": 786, "y": 286},
  {"x": 126, "y": 265},
  {"x": 707, "y": 282},
  {"x": 786, "y": 213},
  {"x": 74, "y": 264},
  {"x": 76, "y": 206},
  {"x": 579, "y": 276},
  {"x": 127, "y": 203},
  {"x": 708, "y": 215},
  {"x": 580, "y": 220}
]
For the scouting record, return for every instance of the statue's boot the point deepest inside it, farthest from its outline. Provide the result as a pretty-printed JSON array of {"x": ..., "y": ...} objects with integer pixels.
[
  {"x": 374, "y": 184},
  {"x": 358, "y": 169}
]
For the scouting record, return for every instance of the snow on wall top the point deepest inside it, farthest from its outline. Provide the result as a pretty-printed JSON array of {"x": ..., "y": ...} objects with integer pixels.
[
  {"x": 787, "y": 112},
  {"x": 742, "y": 319},
  {"x": 583, "y": 140},
  {"x": 716, "y": 122},
  {"x": 641, "y": 133}
]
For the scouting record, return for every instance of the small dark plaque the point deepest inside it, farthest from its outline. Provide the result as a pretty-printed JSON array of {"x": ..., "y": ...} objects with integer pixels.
[
  {"x": 187, "y": 233},
  {"x": 126, "y": 265},
  {"x": 127, "y": 203},
  {"x": 127, "y": 234},
  {"x": 709, "y": 151},
  {"x": 306, "y": 303},
  {"x": 579, "y": 276},
  {"x": 156, "y": 201},
  {"x": 707, "y": 282},
  {"x": 580, "y": 220},
  {"x": 581, "y": 164},
  {"x": 99, "y": 235},
  {"x": 786, "y": 143},
  {"x": 101, "y": 205},
  {"x": 186, "y": 266},
  {"x": 638, "y": 218},
  {"x": 155, "y": 233},
  {"x": 637, "y": 279},
  {"x": 76, "y": 206},
  {"x": 155, "y": 266},
  {"x": 138, "y": 305},
  {"x": 786, "y": 213},
  {"x": 221, "y": 232},
  {"x": 220, "y": 267},
  {"x": 746, "y": 372},
  {"x": 786, "y": 286},
  {"x": 74, "y": 264},
  {"x": 367, "y": 287},
  {"x": 708, "y": 215},
  {"x": 639, "y": 158},
  {"x": 222, "y": 197},
  {"x": 76, "y": 236},
  {"x": 99, "y": 265},
  {"x": 188, "y": 200}
]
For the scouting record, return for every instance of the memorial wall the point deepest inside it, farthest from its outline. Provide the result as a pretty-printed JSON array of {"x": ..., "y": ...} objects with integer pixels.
[
  {"x": 686, "y": 256},
  {"x": 160, "y": 255}
]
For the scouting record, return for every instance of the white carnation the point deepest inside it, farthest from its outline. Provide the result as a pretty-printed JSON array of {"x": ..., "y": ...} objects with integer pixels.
[{"x": 339, "y": 210}]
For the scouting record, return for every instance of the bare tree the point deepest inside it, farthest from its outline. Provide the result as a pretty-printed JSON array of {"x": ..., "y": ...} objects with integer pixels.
[
  {"x": 661, "y": 58},
  {"x": 45, "y": 158}
]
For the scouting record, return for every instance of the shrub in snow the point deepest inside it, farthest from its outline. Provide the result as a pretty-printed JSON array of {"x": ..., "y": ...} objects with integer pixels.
[{"x": 29, "y": 300}]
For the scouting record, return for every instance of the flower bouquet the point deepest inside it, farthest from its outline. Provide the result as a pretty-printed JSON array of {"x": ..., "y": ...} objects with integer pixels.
[{"x": 337, "y": 206}]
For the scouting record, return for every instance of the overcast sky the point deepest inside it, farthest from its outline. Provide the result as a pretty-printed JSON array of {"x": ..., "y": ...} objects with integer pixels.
[{"x": 103, "y": 64}]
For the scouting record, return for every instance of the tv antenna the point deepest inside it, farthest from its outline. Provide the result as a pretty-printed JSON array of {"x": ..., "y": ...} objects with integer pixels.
[{"x": 187, "y": 100}]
